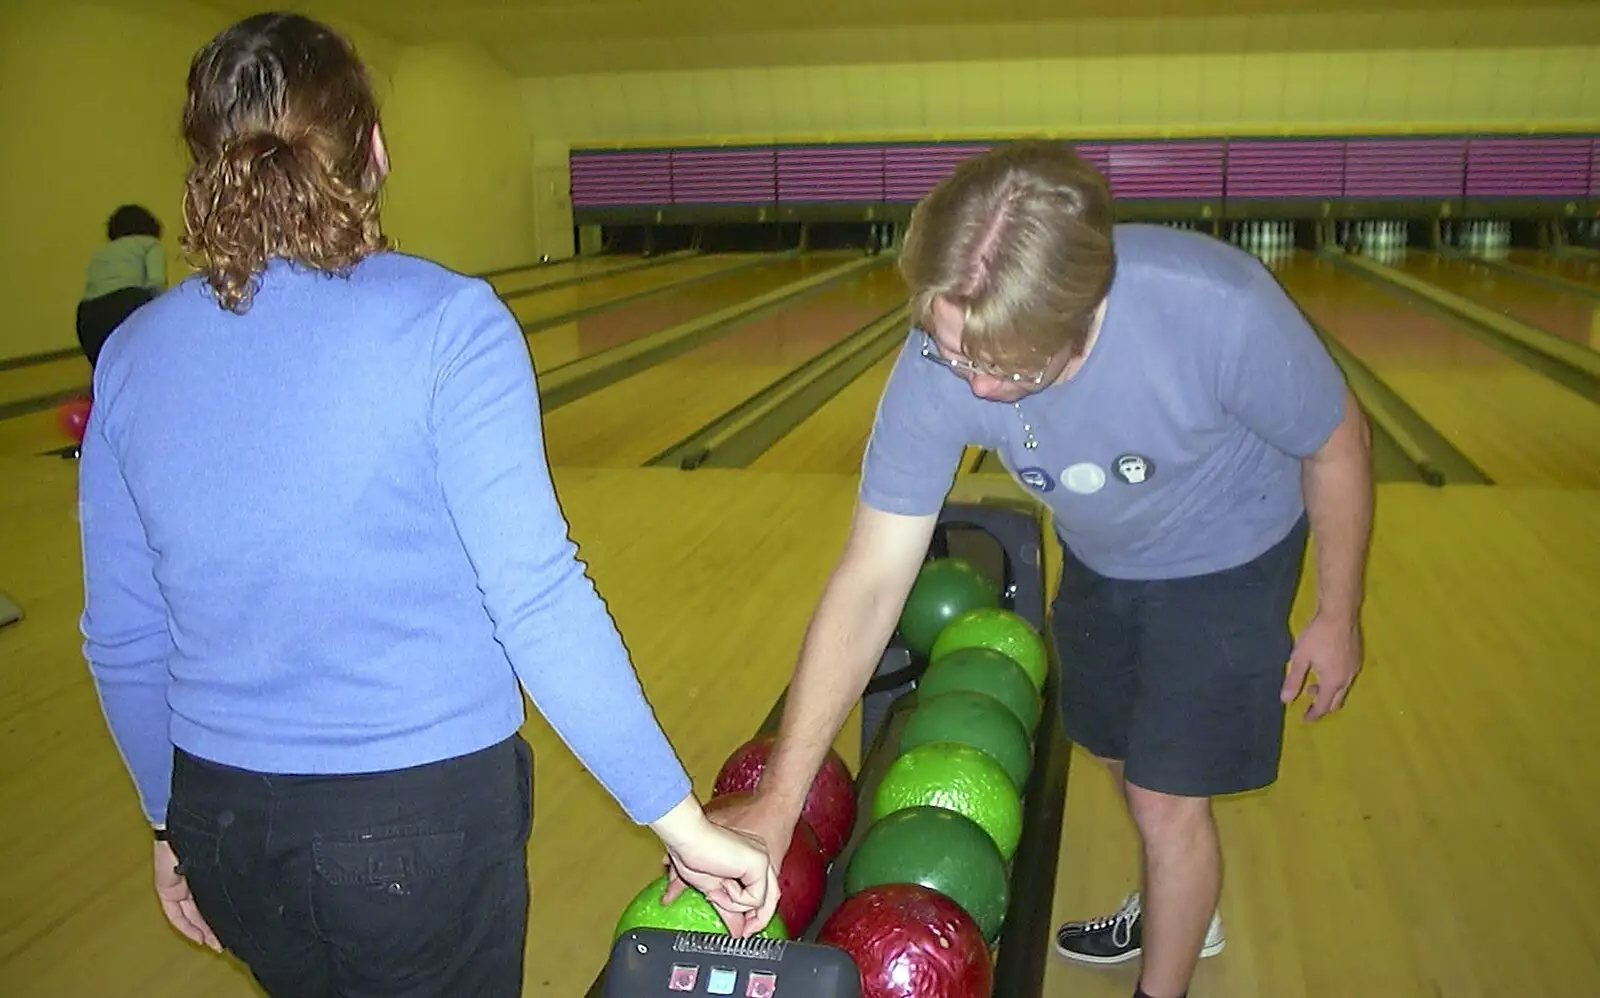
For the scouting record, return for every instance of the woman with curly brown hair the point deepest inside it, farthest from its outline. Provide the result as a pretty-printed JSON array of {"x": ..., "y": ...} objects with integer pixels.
[{"x": 322, "y": 550}]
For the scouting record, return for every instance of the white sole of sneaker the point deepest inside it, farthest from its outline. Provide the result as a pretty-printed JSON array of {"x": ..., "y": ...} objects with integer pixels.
[
  {"x": 1208, "y": 950},
  {"x": 1099, "y": 961}
]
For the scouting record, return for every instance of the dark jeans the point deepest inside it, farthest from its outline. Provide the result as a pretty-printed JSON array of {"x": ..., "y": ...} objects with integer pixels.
[
  {"x": 404, "y": 884},
  {"x": 99, "y": 317}
]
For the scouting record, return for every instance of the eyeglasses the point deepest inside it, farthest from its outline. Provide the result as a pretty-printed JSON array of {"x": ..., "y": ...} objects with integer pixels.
[{"x": 932, "y": 351}]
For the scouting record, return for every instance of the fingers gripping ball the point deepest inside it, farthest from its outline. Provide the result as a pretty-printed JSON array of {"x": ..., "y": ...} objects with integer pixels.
[
  {"x": 803, "y": 875},
  {"x": 688, "y": 912}
]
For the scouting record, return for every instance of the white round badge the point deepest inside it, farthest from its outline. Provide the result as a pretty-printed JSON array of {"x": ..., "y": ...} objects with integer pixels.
[{"x": 1084, "y": 478}]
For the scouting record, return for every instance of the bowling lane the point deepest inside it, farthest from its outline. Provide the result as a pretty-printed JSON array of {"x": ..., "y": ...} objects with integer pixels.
[
  {"x": 30, "y": 434},
  {"x": 601, "y": 330},
  {"x": 604, "y": 288},
  {"x": 564, "y": 270},
  {"x": 1582, "y": 269},
  {"x": 626, "y": 424},
  {"x": 1519, "y": 427},
  {"x": 1569, "y": 316},
  {"x": 40, "y": 379},
  {"x": 833, "y": 439}
]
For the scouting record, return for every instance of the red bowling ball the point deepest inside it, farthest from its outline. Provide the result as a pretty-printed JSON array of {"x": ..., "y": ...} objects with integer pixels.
[
  {"x": 803, "y": 876},
  {"x": 830, "y": 807},
  {"x": 73, "y": 418},
  {"x": 911, "y": 942}
]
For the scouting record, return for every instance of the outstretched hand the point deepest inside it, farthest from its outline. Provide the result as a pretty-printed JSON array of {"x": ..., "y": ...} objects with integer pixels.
[{"x": 1329, "y": 649}]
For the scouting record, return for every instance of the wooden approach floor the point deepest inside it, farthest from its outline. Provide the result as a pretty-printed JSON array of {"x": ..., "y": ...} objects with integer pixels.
[
  {"x": 1435, "y": 840},
  {"x": 1452, "y": 806}
]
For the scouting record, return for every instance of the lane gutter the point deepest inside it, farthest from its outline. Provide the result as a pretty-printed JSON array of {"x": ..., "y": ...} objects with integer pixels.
[
  {"x": 1568, "y": 364},
  {"x": 739, "y": 436},
  {"x": 570, "y": 382}
]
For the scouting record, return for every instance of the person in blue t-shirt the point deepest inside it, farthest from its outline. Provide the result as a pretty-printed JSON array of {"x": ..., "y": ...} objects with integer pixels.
[
  {"x": 323, "y": 560},
  {"x": 1162, "y": 395},
  {"x": 128, "y": 271}
]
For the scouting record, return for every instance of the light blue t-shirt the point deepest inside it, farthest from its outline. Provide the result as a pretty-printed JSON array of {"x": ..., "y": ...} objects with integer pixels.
[
  {"x": 1176, "y": 448},
  {"x": 321, "y": 537},
  {"x": 129, "y": 262}
]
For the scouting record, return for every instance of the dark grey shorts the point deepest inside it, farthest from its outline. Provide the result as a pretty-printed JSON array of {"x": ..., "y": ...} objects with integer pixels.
[{"x": 1180, "y": 678}]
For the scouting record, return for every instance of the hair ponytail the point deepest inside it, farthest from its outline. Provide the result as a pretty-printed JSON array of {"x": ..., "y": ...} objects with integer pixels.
[{"x": 282, "y": 164}]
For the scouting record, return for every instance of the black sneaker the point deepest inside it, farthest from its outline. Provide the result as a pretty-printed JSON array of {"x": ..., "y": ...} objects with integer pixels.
[{"x": 1115, "y": 938}]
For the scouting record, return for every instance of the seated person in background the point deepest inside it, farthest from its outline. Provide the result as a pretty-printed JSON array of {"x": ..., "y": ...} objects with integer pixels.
[
  {"x": 324, "y": 559},
  {"x": 124, "y": 274}
]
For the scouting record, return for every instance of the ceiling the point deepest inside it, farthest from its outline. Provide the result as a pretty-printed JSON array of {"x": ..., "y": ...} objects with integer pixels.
[{"x": 551, "y": 37}]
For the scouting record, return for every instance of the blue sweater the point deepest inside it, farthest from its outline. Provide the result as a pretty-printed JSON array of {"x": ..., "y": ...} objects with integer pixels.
[{"x": 321, "y": 537}]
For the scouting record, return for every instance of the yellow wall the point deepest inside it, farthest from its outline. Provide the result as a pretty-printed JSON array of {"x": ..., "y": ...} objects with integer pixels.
[
  {"x": 552, "y": 202},
  {"x": 91, "y": 94},
  {"x": 461, "y": 190},
  {"x": 1110, "y": 77}
]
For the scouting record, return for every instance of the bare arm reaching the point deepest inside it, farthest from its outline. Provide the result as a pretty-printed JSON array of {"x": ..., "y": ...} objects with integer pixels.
[{"x": 848, "y": 632}]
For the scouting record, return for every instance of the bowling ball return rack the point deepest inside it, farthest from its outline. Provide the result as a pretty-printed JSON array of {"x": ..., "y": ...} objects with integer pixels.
[{"x": 1005, "y": 538}]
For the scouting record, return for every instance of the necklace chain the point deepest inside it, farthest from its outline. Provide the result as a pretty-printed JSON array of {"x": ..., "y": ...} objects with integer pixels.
[{"x": 1029, "y": 443}]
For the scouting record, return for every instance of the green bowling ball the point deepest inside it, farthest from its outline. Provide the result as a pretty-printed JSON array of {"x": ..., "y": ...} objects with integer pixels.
[
  {"x": 984, "y": 670},
  {"x": 941, "y": 850},
  {"x": 999, "y": 630},
  {"x": 973, "y": 719},
  {"x": 958, "y": 778},
  {"x": 944, "y": 589},
  {"x": 689, "y": 912}
]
